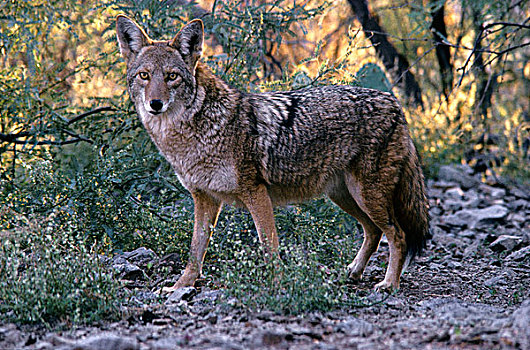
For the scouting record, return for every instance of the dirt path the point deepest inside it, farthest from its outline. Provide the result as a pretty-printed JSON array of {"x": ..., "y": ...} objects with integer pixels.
[{"x": 469, "y": 291}]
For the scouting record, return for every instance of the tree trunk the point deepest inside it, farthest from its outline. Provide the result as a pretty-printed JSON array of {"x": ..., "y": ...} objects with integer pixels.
[
  {"x": 395, "y": 63},
  {"x": 485, "y": 81},
  {"x": 443, "y": 53}
]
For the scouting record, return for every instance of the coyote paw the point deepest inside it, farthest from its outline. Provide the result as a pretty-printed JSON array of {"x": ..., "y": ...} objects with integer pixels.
[
  {"x": 186, "y": 280},
  {"x": 354, "y": 272},
  {"x": 386, "y": 286}
]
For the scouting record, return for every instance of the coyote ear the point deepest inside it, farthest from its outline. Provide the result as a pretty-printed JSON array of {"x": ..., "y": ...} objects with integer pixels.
[
  {"x": 189, "y": 41},
  {"x": 130, "y": 37}
]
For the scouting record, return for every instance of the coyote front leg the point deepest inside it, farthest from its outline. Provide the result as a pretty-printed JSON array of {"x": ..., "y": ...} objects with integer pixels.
[
  {"x": 258, "y": 202},
  {"x": 207, "y": 211}
]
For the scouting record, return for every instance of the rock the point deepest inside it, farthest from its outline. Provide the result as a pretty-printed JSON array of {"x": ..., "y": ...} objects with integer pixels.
[
  {"x": 104, "y": 342},
  {"x": 438, "y": 188},
  {"x": 170, "y": 261},
  {"x": 208, "y": 296},
  {"x": 453, "y": 174},
  {"x": 518, "y": 334},
  {"x": 505, "y": 242},
  {"x": 455, "y": 265},
  {"x": 454, "y": 193},
  {"x": 499, "y": 279},
  {"x": 43, "y": 345},
  {"x": 472, "y": 199},
  {"x": 493, "y": 192},
  {"x": 521, "y": 324},
  {"x": 217, "y": 342},
  {"x": 141, "y": 256},
  {"x": 11, "y": 337},
  {"x": 477, "y": 218},
  {"x": 355, "y": 327},
  {"x": 520, "y": 193},
  {"x": 185, "y": 294},
  {"x": 145, "y": 296},
  {"x": 519, "y": 204},
  {"x": 468, "y": 233},
  {"x": 309, "y": 332},
  {"x": 519, "y": 255},
  {"x": 211, "y": 318},
  {"x": 126, "y": 270},
  {"x": 462, "y": 313},
  {"x": 274, "y": 337},
  {"x": 452, "y": 205},
  {"x": 167, "y": 343}
]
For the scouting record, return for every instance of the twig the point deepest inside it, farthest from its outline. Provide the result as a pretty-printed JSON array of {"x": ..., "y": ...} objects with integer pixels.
[
  {"x": 47, "y": 142},
  {"x": 14, "y": 138},
  {"x": 86, "y": 114}
]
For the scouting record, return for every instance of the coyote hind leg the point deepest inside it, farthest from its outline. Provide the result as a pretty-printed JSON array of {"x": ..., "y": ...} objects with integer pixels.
[
  {"x": 372, "y": 234},
  {"x": 375, "y": 197}
]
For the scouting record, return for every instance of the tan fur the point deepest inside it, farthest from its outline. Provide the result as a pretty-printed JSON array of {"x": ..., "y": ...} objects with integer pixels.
[{"x": 261, "y": 150}]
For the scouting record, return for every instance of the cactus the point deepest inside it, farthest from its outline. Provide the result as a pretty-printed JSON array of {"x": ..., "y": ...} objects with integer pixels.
[{"x": 372, "y": 76}]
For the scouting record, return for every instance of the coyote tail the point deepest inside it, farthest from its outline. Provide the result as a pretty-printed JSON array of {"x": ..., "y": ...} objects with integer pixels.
[{"x": 412, "y": 208}]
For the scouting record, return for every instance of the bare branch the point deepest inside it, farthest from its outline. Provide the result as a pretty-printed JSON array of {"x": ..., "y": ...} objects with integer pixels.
[
  {"x": 6, "y": 138},
  {"x": 15, "y": 138},
  {"x": 86, "y": 114}
]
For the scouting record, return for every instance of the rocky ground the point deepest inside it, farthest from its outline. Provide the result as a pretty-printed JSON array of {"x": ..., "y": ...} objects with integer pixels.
[{"x": 469, "y": 291}]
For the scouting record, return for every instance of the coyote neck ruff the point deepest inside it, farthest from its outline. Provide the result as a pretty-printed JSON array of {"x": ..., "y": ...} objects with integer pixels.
[{"x": 259, "y": 150}]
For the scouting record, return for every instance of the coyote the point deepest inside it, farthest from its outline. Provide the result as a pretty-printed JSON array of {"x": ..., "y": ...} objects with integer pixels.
[{"x": 258, "y": 150}]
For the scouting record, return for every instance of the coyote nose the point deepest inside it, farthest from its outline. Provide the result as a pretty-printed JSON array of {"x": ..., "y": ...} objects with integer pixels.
[{"x": 156, "y": 105}]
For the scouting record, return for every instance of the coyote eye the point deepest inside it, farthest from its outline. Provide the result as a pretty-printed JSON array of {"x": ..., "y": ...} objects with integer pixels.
[
  {"x": 172, "y": 76},
  {"x": 144, "y": 75}
]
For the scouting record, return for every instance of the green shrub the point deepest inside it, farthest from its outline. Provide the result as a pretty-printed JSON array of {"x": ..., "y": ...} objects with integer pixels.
[
  {"x": 316, "y": 244},
  {"x": 49, "y": 275}
]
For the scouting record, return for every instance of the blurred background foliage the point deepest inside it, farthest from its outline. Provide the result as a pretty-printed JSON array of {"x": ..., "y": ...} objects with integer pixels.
[{"x": 73, "y": 152}]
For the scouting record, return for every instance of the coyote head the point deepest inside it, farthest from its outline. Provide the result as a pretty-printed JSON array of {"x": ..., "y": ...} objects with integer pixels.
[{"x": 160, "y": 74}]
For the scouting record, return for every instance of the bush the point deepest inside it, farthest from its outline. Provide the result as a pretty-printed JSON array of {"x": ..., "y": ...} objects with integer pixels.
[
  {"x": 49, "y": 275},
  {"x": 316, "y": 244}
]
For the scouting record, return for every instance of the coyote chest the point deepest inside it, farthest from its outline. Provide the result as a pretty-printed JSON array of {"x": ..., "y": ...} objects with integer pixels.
[{"x": 200, "y": 162}]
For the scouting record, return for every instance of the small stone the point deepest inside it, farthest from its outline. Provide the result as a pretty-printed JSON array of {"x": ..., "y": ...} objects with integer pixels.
[
  {"x": 107, "y": 342},
  {"x": 438, "y": 187},
  {"x": 454, "y": 193},
  {"x": 472, "y": 200},
  {"x": 520, "y": 193},
  {"x": 11, "y": 336},
  {"x": 518, "y": 335},
  {"x": 185, "y": 294},
  {"x": 208, "y": 296},
  {"x": 452, "y": 205},
  {"x": 167, "y": 343},
  {"x": 43, "y": 345},
  {"x": 492, "y": 192},
  {"x": 505, "y": 242},
  {"x": 126, "y": 270},
  {"x": 521, "y": 320},
  {"x": 450, "y": 173},
  {"x": 454, "y": 265},
  {"x": 477, "y": 218},
  {"x": 272, "y": 338},
  {"x": 299, "y": 330},
  {"x": 212, "y": 318},
  {"x": 141, "y": 256},
  {"x": 519, "y": 204},
  {"x": 355, "y": 327},
  {"x": 495, "y": 280},
  {"x": 519, "y": 255},
  {"x": 468, "y": 233}
]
